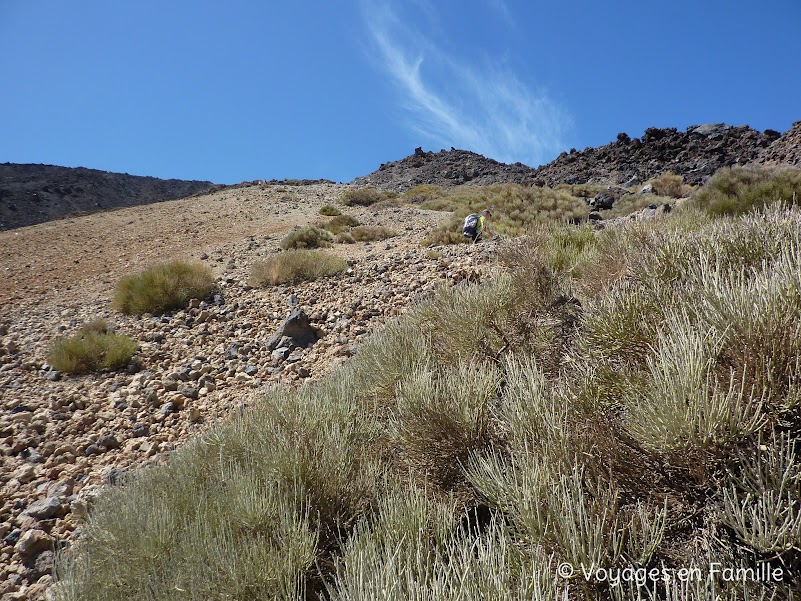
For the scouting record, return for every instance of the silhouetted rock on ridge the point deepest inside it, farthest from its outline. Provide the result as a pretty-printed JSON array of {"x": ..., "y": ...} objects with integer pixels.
[
  {"x": 31, "y": 194},
  {"x": 445, "y": 168}
]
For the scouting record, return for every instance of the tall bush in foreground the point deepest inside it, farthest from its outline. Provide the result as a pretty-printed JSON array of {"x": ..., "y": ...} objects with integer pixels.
[
  {"x": 644, "y": 415},
  {"x": 163, "y": 288}
]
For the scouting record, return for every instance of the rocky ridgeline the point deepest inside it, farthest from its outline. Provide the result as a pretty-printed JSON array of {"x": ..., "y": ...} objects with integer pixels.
[
  {"x": 32, "y": 194},
  {"x": 62, "y": 438},
  {"x": 445, "y": 168},
  {"x": 786, "y": 149},
  {"x": 695, "y": 154}
]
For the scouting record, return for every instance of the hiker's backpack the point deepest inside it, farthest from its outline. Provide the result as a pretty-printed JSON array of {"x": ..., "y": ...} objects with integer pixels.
[{"x": 470, "y": 225}]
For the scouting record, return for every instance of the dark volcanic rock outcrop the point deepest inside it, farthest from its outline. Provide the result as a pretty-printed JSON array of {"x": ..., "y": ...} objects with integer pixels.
[
  {"x": 31, "y": 194},
  {"x": 445, "y": 168},
  {"x": 695, "y": 154},
  {"x": 786, "y": 149}
]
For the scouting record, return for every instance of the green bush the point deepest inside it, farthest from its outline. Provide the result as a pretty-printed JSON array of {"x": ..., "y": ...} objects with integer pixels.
[
  {"x": 340, "y": 223},
  {"x": 671, "y": 185},
  {"x": 307, "y": 237},
  {"x": 330, "y": 211},
  {"x": 95, "y": 347},
  {"x": 370, "y": 233},
  {"x": 163, "y": 287},
  {"x": 423, "y": 193},
  {"x": 737, "y": 190},
  {"x": 295, "y": 266},
  {"x": 362, "y": 197}
]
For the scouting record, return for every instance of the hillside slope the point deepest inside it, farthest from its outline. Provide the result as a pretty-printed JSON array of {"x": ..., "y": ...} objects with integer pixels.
[{"x": 31, "y": 194}]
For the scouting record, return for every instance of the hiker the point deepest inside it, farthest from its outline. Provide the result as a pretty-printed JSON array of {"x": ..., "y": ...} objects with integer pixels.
[{"x": 474, "y": 225}]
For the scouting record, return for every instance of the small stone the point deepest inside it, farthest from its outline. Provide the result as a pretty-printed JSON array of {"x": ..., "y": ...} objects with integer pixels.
[
  {"x": 45, "y": 509},
  {"x": 168, "y": 408},
  {"x": 43, "y": 565},
  {"x": 140, "y": 430},
  {"x": 251, "y": 370},
  {"x": 109, "y": 442},
  {"x": 32, "y": 542}
]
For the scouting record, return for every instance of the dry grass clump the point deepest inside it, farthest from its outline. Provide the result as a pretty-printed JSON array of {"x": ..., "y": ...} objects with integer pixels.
[
  {"x": 295, "y": 266},
  {"x": 737, "y": 190},
  {"x": 307, "y": 237},
  {"x": 163, "y": 288},
  {"x": 340, "y": 223},
  {"x": 671, "y": 185},
  {"x": 423, "y": 193},
  {"x": 93, "y": 348},
  {"x": 610, "y": 399},
  {"x": 362, "y": 197},
  {"x": 330, "y": 211},
  {"x": 371, "y": 233},
  {"x": 515, "y": 209}
]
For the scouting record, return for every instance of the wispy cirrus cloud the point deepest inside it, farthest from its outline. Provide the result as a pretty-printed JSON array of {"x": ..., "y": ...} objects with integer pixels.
[{"x": 450, "y": 101}]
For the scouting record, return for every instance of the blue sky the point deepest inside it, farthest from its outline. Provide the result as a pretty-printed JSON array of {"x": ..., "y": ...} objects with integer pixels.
[{"x": 240, "y": 90}]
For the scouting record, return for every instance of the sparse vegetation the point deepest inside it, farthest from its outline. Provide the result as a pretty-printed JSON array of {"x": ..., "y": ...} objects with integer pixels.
[
  {"x": 340, "y": 223},
  {"x": 737, "y": 190},
  {"x": 515, "y": 209},
  {"x": 293, "y": 266},
  {"x": 163, "y": 288},
  {"x": 362, "y": 197},
  {"x": 307, "y": 237},
  {"x": 671, "y": 185},
  {"x": 626, "y": 398},
  {"x": 330, "y": 211},
  {"x": 93, "y": 348}
]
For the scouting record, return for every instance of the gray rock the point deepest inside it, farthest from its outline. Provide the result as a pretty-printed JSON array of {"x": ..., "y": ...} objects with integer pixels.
[
  {"x": 44, "y": 509},
  {"x": 140, "y": 430},
  {"x": 251, "y": 370},
  {"x": 297, "y": 328},
  {"x": 190, "y": 392},
  {"x": 281, "y": 353},
  {"x": 109, "y": 442},
  {"x": 168, "y": 408},
  {"x": 43, "y": 564}
]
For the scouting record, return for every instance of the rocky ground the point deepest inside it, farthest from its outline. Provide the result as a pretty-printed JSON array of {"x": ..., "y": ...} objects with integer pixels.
[{"x": 64, "y": 437}]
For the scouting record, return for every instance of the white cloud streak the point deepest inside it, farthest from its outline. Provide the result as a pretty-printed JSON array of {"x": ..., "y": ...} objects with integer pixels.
[{"x": 450, "y": 102}]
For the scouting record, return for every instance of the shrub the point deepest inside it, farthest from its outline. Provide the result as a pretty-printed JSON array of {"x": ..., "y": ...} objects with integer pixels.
[
  {"x": 671, "y": 185},
  {"x": 737, "y": 190},
  {"x": 362, "y": 196},
  {"x": 95, "y": 347},
  {"x": 307, "y": 237},
  {"x": 423, "y": 193},
  {"x": 163, "y": 288},
  {"x": 295, "y": 266},
  {"x": 345, "y": 238},
  {"x": 340, "y": 223},
  {"x": 330, "y": 211},
  {"x": 369, "y": 233}
]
